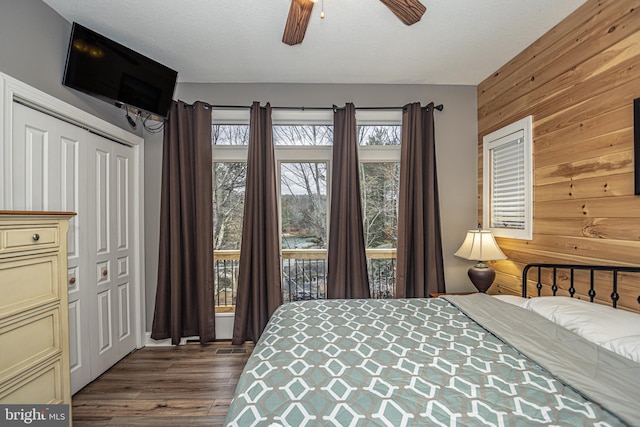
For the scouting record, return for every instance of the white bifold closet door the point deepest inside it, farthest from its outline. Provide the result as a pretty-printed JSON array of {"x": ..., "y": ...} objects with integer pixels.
[
  {"x": 108, "y": 218},
  {"x": 56, "y": 165}
]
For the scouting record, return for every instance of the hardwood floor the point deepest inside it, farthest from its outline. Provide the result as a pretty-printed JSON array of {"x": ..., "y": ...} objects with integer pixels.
[{"x": 160, "y": 386}]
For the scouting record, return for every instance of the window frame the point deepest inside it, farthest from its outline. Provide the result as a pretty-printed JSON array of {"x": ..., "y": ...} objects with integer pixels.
[{"x": 502, "y": 136}]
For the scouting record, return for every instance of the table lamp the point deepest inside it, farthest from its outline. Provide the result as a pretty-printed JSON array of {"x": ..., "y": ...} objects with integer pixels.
[{"x": 480, "y": 245}]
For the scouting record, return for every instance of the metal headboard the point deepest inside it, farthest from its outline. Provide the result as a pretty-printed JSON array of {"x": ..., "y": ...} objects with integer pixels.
[{"x": 572, "y": 268}]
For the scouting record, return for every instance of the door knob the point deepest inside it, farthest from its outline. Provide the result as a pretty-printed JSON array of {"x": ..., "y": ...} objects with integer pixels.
[{"x": 36, "y": 237}]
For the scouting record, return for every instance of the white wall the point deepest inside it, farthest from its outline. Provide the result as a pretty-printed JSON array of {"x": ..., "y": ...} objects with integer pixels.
[
  {"x": 456, "y": 150},
  {"x": 33, "y": 49}
]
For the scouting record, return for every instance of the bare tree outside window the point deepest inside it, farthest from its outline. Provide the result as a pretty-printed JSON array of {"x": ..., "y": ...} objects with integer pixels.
[
  {"x": 379, "y": 184},
  {"x": 302, "y": 135},
  {"x": 228, "y": 204},
  {"x": 379, "y": 188},
  {"x": 230, "y": 134},
  {"x": 229, "y": 179},
  {"x": 304, "y": 205},
  {"x": 379, "y": 135}
]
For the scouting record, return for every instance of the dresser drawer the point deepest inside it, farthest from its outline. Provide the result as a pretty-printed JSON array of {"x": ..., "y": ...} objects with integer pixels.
[
  {"x": 28, "y": 281},
  {"x": 28, "y": 340},
  {"x": 43, "y": 385},
  {"x": 34, "y": 327},
  {"x": 19, "y": 239}
]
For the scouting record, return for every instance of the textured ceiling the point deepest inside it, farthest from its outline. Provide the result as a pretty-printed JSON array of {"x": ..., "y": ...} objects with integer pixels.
[{"x": 359, "y": 41}]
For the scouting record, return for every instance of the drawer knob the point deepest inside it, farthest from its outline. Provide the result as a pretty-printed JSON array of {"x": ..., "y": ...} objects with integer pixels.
[
  {"x": 36, "y": 237},
  {"x": 72, "y": 281},
  {"x": 105, "y": 272}
]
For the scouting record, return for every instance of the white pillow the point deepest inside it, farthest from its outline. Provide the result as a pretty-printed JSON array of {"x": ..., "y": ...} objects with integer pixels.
[
  {"x": 628, "y": 346},
  {"x": 613, "y": 329},
  {"x": 511, "y": 299}
]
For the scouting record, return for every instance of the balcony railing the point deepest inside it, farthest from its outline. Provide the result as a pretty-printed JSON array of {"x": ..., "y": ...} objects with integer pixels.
[
  {"x": 225, "y": 282},
  {"x": 304, "y": 275}
]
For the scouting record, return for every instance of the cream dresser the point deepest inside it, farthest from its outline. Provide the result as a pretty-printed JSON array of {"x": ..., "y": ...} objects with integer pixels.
[{"x": 34, "y": 335}]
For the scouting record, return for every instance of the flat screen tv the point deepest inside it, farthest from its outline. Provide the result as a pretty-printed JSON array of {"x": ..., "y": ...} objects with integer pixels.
[{"x": 114, "y": 73}]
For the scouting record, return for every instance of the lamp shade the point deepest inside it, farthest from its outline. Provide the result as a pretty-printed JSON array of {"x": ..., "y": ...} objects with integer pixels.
[{"x": 479, "y": 245}]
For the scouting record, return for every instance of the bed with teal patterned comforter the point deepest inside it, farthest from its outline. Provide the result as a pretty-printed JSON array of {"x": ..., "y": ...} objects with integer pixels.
[{"x": 420, "y": 362}]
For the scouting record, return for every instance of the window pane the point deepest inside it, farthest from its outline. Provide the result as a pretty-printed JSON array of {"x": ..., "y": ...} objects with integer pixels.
[
  {"x": 229, "y": 179},
  {"x": 303, "y": 192},
  {"x": 379, "y": 184},
  {"x": 379, "y": 135},
  {"x": 230, "y": 134},
  {"x": 302, "y": 135}
]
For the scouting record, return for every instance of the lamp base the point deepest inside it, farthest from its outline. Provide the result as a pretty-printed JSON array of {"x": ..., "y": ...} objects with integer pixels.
[{"x": 481, "y": 276}]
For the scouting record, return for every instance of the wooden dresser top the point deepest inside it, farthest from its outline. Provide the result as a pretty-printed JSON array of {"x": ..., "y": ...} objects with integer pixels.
[{"x": 39, "y": 213}]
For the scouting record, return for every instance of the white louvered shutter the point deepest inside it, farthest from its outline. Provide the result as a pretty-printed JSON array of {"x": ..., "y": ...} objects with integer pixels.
[{"x": 508, "y": 183}]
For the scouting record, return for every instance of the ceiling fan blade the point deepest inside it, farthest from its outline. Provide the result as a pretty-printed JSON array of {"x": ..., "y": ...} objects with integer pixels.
[
  {"x": 297, "y": 21},
  {"x": 409, "y": 11}
]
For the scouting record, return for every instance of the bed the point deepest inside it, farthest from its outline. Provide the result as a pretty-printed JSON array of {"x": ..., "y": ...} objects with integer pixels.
[{"x": 454, "y": 360}]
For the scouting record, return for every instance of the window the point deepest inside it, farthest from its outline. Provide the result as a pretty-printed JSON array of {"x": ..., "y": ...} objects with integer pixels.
[
  {"x": 379, "y": 134},
  {"x": 303, "y": 205},
  {"x": 303, "y": 141},
  {"x": 303, "y": 147},
  {"x": 302, "y": 135},
  {"x": 230, "y": 138},
  {"x": 303, "y": 216},
  {"x": 507, "y": 181},
  {"x": 228, "y": 200},
  {"x": 379, "y": 189}
]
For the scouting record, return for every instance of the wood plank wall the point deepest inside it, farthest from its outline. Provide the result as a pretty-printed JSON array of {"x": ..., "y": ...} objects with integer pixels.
[{"x": 578, "y": 81}]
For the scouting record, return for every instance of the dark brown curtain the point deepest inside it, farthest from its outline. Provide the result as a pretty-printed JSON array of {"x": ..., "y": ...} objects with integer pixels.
[
  {"x": 259, "y": 292},
  {"x": 419, "y": 269},
  {"x": 184, "y": 297},
  {"x": 347, "y": 260}
]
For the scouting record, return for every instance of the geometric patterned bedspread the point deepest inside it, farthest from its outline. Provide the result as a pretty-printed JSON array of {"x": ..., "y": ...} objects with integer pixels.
[{"x": 396, "y": 362}]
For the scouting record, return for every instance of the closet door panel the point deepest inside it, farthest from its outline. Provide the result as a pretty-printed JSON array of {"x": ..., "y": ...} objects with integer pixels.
[
  {"x": 47, "y": 157},
  {"x": 72, "y": 186},
  {"x": 123, "y": 249},
  {"x": 36, "y": 159},
  {"x": 101, "y": 230},
  {"x": 69, "y": 188},
  {"x": 101, "y": 200},
  {"x": 36, "y": 146}
]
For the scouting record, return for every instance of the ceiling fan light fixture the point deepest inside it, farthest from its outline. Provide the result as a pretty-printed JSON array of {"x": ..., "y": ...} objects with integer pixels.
[{"x": 409, "y": 12}]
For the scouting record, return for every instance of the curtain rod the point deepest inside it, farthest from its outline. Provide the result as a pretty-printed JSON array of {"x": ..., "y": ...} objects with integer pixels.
[{"x": 438, "y": 107}]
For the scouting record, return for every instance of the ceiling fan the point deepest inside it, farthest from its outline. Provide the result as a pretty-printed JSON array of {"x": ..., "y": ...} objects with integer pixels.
[{"x": 409, "y": 12}]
